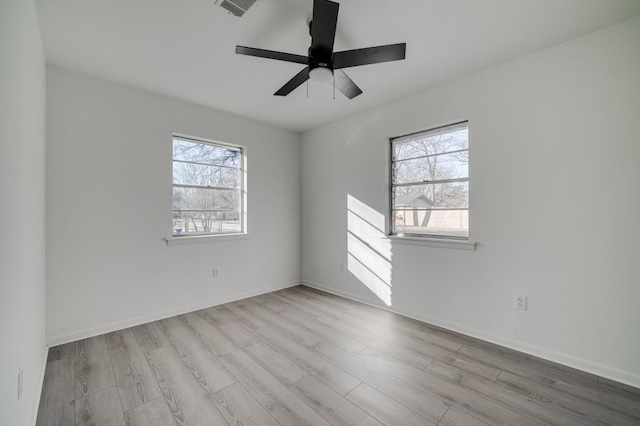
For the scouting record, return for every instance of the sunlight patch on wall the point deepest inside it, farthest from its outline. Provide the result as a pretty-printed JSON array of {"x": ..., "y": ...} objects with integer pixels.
[{"x": 368, "y": 252}]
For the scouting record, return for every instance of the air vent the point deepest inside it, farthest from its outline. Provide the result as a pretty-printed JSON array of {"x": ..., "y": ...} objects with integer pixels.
[{"x": 237, "y": 7}]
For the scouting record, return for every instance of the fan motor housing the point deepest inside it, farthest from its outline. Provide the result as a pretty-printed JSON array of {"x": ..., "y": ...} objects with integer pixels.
[
  {"x": 319, "y": 59},
  {"x": 314, "y": 63}
]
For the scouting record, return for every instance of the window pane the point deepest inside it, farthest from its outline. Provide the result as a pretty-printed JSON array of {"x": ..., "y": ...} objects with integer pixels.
[
  {"x": 205, "y": 153},
  {"x": 205, "y": 222},
  {"x": 430, "y": 145},
  {"x": 206, "y": 199},
  {"x": 205, "y": 175},
  {"x": 439, "y": 167},
  {"x": 450, "y": 223},
  {"x": 432, "y": 196}
]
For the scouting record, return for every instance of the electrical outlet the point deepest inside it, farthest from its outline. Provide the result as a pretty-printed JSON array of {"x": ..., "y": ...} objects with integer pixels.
[
  {"x": 521, "y": 302},
  {"x": 341, "y": 266},
  {"x": 19, "y": 383},
  {"x": 214, "y": 273}
]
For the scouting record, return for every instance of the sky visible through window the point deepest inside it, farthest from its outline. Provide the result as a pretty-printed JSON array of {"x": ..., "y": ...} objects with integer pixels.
[
  {"x": 430, "y": 183},
  {"x": 207, "y": 188}
]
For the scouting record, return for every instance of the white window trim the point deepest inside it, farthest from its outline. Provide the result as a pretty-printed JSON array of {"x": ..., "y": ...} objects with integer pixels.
[
  {"x": 433, "y": 242},
  {"x": 203, "y": 238},
  {"x": 207, "y": 238},
  {"x": 416, "y": 239}
]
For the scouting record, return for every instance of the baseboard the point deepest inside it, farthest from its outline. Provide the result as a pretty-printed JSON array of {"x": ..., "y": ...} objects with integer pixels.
[
  {"x": 115, "y": 326},
  {"x": 581, "y": 364},
  {"x": 40, "y": 384}
]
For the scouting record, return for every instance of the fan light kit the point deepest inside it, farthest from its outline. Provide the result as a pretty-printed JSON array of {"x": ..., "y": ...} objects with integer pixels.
[
  {"x": 323, "y": 63},
  {"x": 321, "y": 74}
]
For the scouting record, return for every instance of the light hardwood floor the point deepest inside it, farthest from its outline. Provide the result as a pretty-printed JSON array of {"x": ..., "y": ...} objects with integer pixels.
[{"x": 304, "y": 357}]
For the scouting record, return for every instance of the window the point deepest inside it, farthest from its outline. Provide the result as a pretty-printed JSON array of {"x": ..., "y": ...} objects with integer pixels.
[
  {"x": 430, "y": 183},
  {"x": 208, "y": 182}
]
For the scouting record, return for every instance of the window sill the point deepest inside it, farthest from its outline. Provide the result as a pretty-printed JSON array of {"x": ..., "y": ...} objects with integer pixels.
[
  {"x": 433, "y": 242},
  {"x": 204, "y": 238}
]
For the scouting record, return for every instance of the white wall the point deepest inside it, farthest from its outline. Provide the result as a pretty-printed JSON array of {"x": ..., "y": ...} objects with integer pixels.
[
  {"x": 555, "y": 157},
  {"x": 109, "y": 201},
  {"x": 22, "y": 244}
]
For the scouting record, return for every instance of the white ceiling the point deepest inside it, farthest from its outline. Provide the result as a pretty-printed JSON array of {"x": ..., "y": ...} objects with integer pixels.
[{"x": 185, "y": 48}]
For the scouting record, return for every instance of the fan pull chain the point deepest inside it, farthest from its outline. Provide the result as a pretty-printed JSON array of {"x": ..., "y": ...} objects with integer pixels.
[
  {"x": 307, "y": 89},
  {"x": 334, "y": 86}
]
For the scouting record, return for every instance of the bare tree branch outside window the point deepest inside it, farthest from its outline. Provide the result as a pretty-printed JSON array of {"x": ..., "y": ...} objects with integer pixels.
[
  {"x": 430, "y": 183},
  {"x": 207, "y": 188}
]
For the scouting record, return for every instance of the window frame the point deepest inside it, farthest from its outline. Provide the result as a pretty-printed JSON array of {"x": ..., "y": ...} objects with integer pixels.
[
  {"x": 242, "y": 191},
  {"x": 449, "y": 240}
]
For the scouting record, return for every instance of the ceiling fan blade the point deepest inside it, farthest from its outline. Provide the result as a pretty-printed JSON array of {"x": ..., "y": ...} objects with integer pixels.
[
  {"x": 270, "y": 54},
  {"x": 323, "y": 26},
  {"x": 296, "y": 81},
  {"x": 369, "y": 55},
  {"x": 345, "y": 84}
]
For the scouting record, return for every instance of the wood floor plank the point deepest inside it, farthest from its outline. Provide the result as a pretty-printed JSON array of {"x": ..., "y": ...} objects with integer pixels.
[
  {"x": 58, "y": 393},
  {"x": 56, "y": 353},
  {"x": 238, "y": 334},
  {"x": 275, "y": 363},
  {"x": 315, "y": 322},
  {"x": 239, "y": 408},
  {"x": 171, "y": 322},
  {"x": 489, "y": 373},
  {"x": 326, "y": 333},
  {"x": 414, "y": 329},
  {"x": 101, "y": 408},
  {"x": 388, "y": 322},
  {"x": 423, "y": 403},
  {"x": 523, "y": 365},
  {"x": 273, "y": 305},
  {"x": 332, "y": 376},
  {"x": 377, "y": 316},
  {"x": 381, "y": 335},
  {"x": 93, "y": 367},
  {"x": 165, "y": 385},
  {"x": 590, "y": 412},
  {"x": 283, "y": 405},
  {"x": 134, "y": 379},
  {"x": 383, "y": 408},
  {"x": 456, "y": 417},
  {"x": 295, "y": 331},
  {"x": 205, "y": 368},
  {"x": 261, "y": 298},
  {"x": 153, "y": 413},
  {"x": 333, "y": 407},
  {"x": 549, "y": 368},
  {"x": 186, "y": 399},
  {"x": 619, "y": 389},
  {"x": 212, "y": 338},
  {"x": 334, "y": 320},
  {"x": 482, "y": 408},
  {"x": 150, "y": 337},
  {"x": 614, "y": 401},
  {"x": 539, "y": 409},
  {"x": 398, "y": 324},
  {"x": 244, "y": 317},
  {"x": 215, "y": 316},
  {"x": 459, "y": 338},
  {"x": 335, "y": 336}
]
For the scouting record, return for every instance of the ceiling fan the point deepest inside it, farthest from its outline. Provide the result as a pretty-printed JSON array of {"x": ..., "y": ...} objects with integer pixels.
[{"x": 323, "y": 63}]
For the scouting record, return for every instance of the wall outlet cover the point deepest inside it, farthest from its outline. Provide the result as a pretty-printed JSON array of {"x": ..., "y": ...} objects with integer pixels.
[{"x": 521, "y": 302}]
